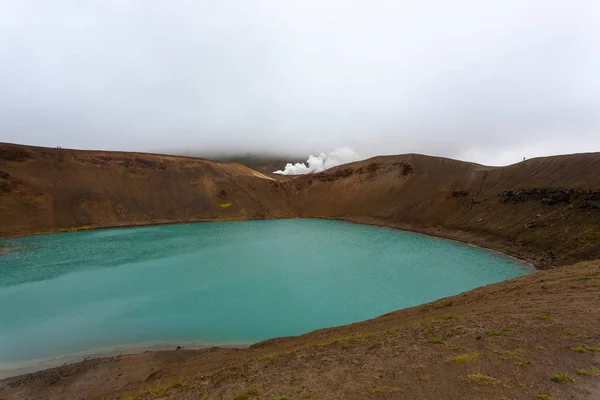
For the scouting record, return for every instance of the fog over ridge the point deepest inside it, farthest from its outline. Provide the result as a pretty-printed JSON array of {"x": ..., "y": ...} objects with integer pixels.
[
  {"x": 482, "y": 81},
  {"x": 321, "y": 162}
]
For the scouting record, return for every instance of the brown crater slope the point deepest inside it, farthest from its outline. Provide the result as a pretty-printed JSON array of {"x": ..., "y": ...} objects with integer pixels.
[
  {"x": 546, "y": 210},
  {"x": 534, "y": 337},
  {"x": 45, "y": 190}
]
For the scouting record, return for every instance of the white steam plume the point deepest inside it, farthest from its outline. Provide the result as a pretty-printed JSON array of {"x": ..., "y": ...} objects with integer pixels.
[{"x": 321, "y": 163}]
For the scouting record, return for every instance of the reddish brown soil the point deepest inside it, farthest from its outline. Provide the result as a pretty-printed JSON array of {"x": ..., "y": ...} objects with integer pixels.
[
  {"x": 45, "y": 190},
  {"x": 514, "y": 336}
]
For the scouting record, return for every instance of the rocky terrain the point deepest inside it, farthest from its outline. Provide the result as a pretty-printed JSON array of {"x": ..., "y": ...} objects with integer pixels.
[{"x": 535, "y": 337}]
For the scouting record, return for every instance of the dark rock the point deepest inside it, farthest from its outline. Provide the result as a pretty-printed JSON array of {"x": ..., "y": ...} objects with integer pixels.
[
  {"x": 460, "y": 193},
  {"x": 14, "y": 154},
  {"x": 333, "y": 175},
  {"x": 587, "y": 197},
  {"x": 142, "y": 163},
  {"x": 372, "y": 167},
  {"x": 595, "y": 204},
  {"x": 591, "y": 200},
  {"x": 556, "y": 198},
  {"x": 5, "y": 187}
]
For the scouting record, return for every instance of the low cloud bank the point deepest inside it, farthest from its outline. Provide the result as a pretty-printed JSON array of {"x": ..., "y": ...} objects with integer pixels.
[{"x": 321, "y": 162}]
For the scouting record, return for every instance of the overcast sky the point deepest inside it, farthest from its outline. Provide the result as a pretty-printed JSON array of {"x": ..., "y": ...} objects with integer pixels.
[{"x": 484, "y": 81}]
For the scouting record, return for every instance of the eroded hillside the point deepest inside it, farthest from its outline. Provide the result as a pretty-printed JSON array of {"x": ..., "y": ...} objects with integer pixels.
[
  {"x": 47, "y": 190},
  {"x": 546, "y": 209}
]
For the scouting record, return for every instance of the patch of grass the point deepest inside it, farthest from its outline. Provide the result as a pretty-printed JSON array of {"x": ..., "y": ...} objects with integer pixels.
[
  {"x": 544, "y": 317},
  {"x": 175, "y": 385},
  {"x": 464, "y": 358},
  {"x": 74, "y": 229},
  {"x": 247, "y": 394},
  {"x": 541, "y": 395},
  {"x": 424, "y": 378},
  {"x": 539, "y": 347},
  {"x": 582, "y": 348},
  {"x": 162, "y": 391},
  {"x": 589, "y": 372},
  {"x": 481, "y": 379},
  {"x": 455, "y": 347},
  {"x": 587, "y": 277},
  {"x": 283, "y": 398},
  {"x": 436, "y": 340},
  {"x": 514, "y": 355},
  {"x": 272, "y": 359},
  {"x": 347, "y": 341},
  {"x": 558, "y": 378},
  {"x": 225, "y": 205},
  {"x": 387, "y": 389}
]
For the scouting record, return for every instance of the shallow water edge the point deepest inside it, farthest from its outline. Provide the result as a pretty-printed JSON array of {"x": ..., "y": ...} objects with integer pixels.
[
  {"x": 477, "y": 239},
  {"x": 10, "y": 370}
]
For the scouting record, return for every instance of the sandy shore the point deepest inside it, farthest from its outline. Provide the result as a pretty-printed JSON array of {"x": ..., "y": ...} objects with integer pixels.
[{"x": 8, "y": 370}]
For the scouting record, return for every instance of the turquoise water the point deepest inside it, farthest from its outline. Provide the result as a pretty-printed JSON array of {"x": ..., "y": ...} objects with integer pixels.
[{"x": 219, "y": 283}]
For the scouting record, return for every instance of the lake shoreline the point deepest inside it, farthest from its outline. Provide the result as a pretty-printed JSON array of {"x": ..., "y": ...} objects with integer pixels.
[
  {"x": 37, "y": 366},
  {"x": 533, "y": 257},
  {"x": 485, "y": 242}
]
